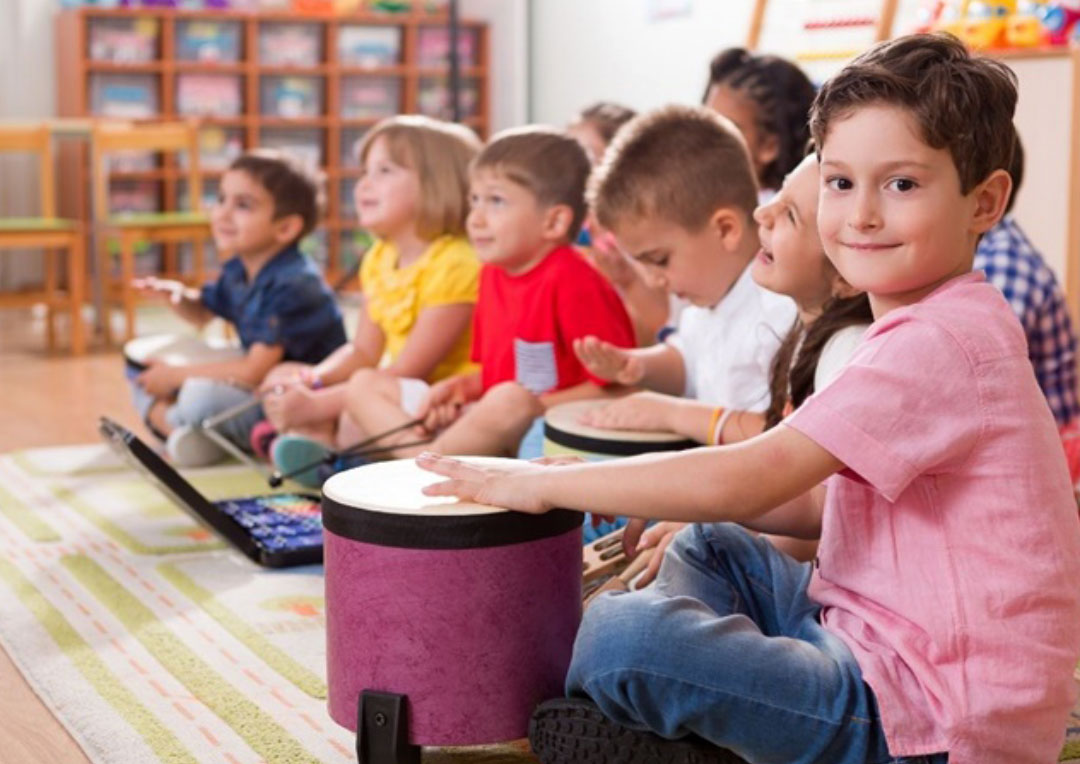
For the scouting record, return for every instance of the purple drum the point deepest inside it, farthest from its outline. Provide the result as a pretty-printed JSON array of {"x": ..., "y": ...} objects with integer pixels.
[{"x": 469, "y": 611}]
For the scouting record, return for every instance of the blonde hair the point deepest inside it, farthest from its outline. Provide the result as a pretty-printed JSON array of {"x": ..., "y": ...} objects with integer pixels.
[
  {"x": 678, "y": 163},
  {"x": 440, "y": 153}
]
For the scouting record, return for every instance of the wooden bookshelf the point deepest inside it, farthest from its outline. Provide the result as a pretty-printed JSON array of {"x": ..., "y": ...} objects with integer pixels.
[{"x": 329, "y": 93}]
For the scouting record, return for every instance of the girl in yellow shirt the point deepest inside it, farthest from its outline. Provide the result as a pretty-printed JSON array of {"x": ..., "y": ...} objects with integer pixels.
[{"x": 419, "y": 282}]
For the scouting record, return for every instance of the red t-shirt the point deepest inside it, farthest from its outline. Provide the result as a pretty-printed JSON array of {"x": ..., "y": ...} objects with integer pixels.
[{"x": 524, "y": 326}]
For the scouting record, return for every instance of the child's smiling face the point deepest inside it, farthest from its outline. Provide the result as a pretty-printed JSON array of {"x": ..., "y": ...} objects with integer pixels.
[
  {"x": 892, "y": 216},
  {"x": 242, "y": 221}
]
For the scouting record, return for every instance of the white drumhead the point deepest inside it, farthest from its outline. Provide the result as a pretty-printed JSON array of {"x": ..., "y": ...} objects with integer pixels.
[
  {"x": 566, "y": 416},
  {"x": 395, "y": 488},
  {"x": 179, "y": 350}
]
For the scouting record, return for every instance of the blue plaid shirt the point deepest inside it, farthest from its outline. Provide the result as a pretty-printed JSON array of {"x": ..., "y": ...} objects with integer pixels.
[
  {"x": 288, "y": 304},
  {"x": 1014, "y": 266}
]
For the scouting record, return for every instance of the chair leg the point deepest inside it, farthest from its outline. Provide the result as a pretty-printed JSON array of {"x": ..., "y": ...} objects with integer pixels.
[
  {"x": 104, "y": 285},
  {"x": 199, "y": 257},
  {"x": 76, "y": 289},
  {"x": 50, "y": 297},
  {"x": 127, "y": 291}
]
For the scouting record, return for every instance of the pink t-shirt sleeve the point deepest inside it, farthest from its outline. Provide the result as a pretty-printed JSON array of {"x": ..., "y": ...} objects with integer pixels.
[{"x": 906, "y": 405}]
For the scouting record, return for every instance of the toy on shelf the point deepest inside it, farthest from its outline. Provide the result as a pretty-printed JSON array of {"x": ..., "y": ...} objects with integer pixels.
[
  {"x": 369, "y": 46},
  {"x": 303, "y": 144},
  {"x": 291, "y": 97},
  {"x": 289, "y": 44},
  {"x": 433, "y": 47},
  {"x": 433, "y": 98},
  {"x": 208, "y": 40},
  {"x": 370, "y": 97},
  {"x": 1062, "y": 21},
  {"x": 994, "y": 24},
  {"x": 123, "y": 40},
  {"x": 212, "y": 95},
  {"x": 125, "y": 96}
]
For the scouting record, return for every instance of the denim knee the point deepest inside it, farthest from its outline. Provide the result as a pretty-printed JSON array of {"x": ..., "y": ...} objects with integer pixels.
[
  {"x": 195, "y": 401},
  {"x": 615, "y": 636}
]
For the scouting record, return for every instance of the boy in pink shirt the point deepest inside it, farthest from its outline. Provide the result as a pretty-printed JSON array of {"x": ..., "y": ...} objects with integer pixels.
[{"x": 938, "y": 622}]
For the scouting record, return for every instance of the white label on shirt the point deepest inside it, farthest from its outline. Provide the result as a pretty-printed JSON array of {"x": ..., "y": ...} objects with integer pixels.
[{"x": 535, "y": 365}]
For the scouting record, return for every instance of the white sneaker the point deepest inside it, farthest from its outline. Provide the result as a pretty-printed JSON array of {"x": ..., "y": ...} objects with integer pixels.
[{"x": 187, "y": 447}]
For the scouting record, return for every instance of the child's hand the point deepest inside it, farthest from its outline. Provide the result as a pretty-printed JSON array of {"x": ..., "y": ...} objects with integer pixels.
[
  {"x": 511, "y": 485},
  {"x": 442, "y": 406},
  {"x": 291, "y": 406},
  {"x": 636, "y": 539},
  {"x": 160, "y": 380},
  {"x": 154, "y": 287},
  {"x": 614, "y": 265},
  {"x": 651, "y": 412},
  {"x": 604, "y": 360}
]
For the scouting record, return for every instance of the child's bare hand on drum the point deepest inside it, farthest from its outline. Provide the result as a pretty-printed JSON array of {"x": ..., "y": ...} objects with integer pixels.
[
  {"x": 641, "y": 411},
  {"x": 609, "y": 362},
  {"x": 160, "y": 380},
  {"x": 509, "y": 485}
]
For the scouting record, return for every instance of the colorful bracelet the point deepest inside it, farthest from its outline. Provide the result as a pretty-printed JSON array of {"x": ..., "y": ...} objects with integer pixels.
[
  {"x": 718, "y": 438},
  {"x": 716, "y": 414}
]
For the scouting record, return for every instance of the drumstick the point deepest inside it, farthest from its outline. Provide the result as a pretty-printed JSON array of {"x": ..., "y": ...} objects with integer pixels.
[
  {"x": 357, "y": 449},
  {"x": 621, "y": 582}
]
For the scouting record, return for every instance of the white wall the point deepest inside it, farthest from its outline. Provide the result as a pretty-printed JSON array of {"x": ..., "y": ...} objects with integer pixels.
[
  {"x": 590, "y": 50},
  {"x": 27, "y": 92}
]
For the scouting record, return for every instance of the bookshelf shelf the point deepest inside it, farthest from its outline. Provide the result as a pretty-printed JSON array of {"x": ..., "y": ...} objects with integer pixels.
[{"x": 311, "y": 85}]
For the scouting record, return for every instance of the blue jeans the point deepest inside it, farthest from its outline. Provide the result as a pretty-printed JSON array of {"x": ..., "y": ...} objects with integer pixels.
[
  {"x": 727, "y": 645},
  {"x": 200, "y": 398}
]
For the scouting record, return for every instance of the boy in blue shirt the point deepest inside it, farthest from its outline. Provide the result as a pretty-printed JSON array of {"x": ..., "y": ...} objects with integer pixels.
[{"x": 279, "y": 304}]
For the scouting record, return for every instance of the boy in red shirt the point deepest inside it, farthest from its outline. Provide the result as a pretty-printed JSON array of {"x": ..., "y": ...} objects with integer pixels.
[{"x": 537, "y": 295}]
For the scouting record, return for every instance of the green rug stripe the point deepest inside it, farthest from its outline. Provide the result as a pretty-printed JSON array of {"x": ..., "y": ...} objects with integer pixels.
[
  {"x": 121, "y": 536},
  {"x": 276, "y": 658},
  {"x": 26, "y": 519},
  {"x": 158, "y": 737},
  {"x": 23, "y": 461},
  {"x": 1070, "y": 751},
  {"x": 265, "y": 736}
]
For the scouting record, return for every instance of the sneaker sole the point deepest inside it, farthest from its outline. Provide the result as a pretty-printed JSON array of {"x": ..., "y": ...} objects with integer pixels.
[{"x": 570, "y": 730}]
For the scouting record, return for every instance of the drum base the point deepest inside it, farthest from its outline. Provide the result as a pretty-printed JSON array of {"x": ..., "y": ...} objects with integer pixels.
[{"x": 382, "y": 730}]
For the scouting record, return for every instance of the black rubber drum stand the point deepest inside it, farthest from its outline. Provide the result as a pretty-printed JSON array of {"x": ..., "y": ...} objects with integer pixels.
[{"x": 382, "y": 730}]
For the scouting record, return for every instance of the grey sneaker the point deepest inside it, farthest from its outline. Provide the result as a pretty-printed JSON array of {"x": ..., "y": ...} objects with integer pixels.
[
  {"x": 575, "y": 731},
  {"x": 187, "y": 447}
]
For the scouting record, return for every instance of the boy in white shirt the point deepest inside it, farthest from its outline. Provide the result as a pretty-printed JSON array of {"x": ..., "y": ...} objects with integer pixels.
[{"x": 678, "y": 192}]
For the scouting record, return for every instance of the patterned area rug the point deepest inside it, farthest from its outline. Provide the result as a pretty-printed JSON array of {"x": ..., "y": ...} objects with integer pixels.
[{"x": 147, "y": 638}]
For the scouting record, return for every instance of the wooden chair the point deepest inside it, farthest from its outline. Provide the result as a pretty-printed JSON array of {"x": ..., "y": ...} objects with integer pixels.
[
  {"x": 155, "y": 227},
  {"x": 48, "y": 233}
]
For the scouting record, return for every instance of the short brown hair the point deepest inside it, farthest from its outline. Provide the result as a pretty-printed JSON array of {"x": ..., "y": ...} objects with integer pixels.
[
  {"x": 606, "y": 118},
  {"x": 678, "y": 163},
  {"x": 295, "y": 188},
  {"x": 549, "y": 163},
  {"x": 961, "y": 103},
  {"x": 439, "y": 152}
]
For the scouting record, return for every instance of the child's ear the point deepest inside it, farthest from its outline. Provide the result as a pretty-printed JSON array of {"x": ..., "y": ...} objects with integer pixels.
[
  {"x": 729, "y": 225},
  {"x": 991, "y": 198},
  {"x": 288, "y": 228},
  {"x": 557, "y": 220}
]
